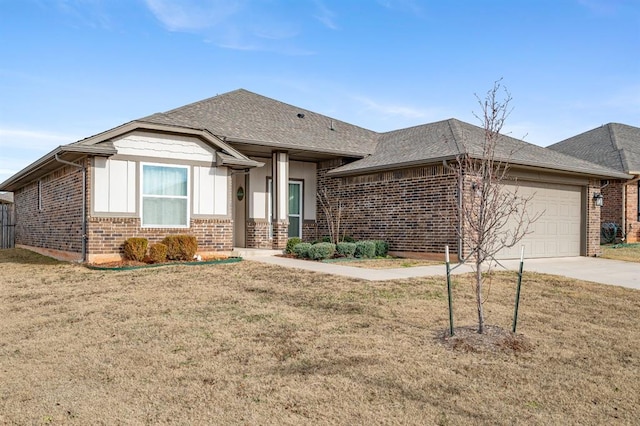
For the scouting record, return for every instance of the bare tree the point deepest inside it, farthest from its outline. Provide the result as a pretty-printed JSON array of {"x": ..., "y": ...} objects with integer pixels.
[
  {"x": 492, "y": 216},
  {"x": 332, "y": 210}
]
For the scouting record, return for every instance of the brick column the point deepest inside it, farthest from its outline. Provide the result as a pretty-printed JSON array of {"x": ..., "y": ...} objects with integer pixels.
[{"x": 592, "y": 220}]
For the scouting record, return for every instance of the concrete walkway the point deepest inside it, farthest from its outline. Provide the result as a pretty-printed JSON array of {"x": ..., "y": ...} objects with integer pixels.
[{"x": 603, "y": 271}]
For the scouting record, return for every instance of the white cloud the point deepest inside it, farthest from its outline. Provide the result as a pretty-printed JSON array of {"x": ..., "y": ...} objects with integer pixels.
[
  {"x": 402, "y": 111},
  {"x": 20, "y": 139},
  {"x": 325, "y": 15},
  {"x": 89, "y": 13},
  {"x": 192, "y": 15},
  {"x": 410, "y": 6},
  {"x": 240, "y": 25}
]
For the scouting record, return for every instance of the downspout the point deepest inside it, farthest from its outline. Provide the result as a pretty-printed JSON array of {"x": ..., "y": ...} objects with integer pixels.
[
  {"x": 84, "y": 202},
  {"x": 624, "y": 205}
]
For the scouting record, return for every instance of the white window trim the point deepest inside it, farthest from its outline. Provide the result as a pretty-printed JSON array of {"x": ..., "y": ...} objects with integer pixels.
[{"x": 187, "y": 197}]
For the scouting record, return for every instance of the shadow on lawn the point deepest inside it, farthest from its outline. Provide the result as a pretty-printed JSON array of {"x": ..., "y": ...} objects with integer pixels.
[{"x": 26, "y": 257}]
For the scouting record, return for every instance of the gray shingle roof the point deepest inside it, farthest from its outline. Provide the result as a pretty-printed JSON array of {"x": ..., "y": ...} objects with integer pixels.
[
  {"x": 612, "y": 145},
  {"x": 447, "y": 139},
  {"x": 245, "y": 116}
]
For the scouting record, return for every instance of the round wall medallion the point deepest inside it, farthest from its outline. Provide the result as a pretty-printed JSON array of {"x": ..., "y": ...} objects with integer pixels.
[{"x": 240, "y": 194}]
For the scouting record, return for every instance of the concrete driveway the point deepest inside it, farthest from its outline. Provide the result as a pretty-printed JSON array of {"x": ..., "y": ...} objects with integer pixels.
[{"x": 603, "y": 271}]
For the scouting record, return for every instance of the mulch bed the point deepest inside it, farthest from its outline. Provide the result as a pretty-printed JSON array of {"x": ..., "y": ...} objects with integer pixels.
[{"x": 494, "y": 340}]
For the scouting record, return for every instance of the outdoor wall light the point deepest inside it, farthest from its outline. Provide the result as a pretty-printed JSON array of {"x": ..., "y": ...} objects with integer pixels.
[{"x": 599, "y": 199}]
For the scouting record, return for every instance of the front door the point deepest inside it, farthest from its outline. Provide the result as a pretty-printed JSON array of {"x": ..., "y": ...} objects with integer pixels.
[
  {"x": 295, "y": 209},
  {"x": 239, "y": 210}
]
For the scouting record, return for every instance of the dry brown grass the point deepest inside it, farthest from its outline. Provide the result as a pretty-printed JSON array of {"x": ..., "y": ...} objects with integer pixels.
[
  {"x": 249, "y": 343},
  {"x": 626, "y": 252},
  {"x": 386, "y": 263}
]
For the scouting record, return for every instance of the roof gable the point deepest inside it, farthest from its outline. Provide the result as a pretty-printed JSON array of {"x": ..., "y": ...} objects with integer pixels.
[
  {"x": 612, "y": 145},
  {"x": 445, "y": 140}
]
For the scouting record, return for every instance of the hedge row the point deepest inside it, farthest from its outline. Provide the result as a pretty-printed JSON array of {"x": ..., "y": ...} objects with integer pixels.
[
  {"x": 326, "y": 250},
  {"x": 172, "y": 247}
]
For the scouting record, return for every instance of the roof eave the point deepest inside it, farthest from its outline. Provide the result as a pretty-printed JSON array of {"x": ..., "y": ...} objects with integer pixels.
[
  {"x": 386, "y": 167},
  {"x": 284, "y": 146},
  {"x": 36, "y": 169},
  {"x": 236, "y": 163}
]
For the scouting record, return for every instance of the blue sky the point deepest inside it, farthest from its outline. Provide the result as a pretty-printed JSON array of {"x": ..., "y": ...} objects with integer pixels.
[{"x": 73, "y": 68}]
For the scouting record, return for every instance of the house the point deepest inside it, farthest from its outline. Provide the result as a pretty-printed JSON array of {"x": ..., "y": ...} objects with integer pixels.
[
  {"x": 616, "y": 146},
  {"x": 6, "y": 220},
  {"x": 243, "y": 170}
]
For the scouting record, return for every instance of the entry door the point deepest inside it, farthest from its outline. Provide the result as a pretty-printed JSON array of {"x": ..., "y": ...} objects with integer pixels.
[
  {"x": 295, "y": 209},
  {"x": 239, "y": 210}
]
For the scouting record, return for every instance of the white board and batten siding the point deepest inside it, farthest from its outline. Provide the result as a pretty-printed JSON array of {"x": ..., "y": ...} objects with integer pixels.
[
  {"x": 115, "y": 181},
  {"x": 209, "y": 190},
  {"x": 557, "y": 233},
  {"x": 114, "y": 186}
]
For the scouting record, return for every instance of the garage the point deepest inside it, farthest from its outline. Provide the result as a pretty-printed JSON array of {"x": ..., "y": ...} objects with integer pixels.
[{"x": 558, "y": 231}]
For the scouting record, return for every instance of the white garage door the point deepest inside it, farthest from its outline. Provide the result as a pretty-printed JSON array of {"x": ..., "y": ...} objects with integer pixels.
[{"x": 557, "y": 232}]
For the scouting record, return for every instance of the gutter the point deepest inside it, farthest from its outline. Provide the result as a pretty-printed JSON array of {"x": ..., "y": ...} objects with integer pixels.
[{"x": 84, "y": 201}]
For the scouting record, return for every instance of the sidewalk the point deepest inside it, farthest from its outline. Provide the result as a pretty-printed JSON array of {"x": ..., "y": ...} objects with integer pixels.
[{"x": 603, "y": 271}]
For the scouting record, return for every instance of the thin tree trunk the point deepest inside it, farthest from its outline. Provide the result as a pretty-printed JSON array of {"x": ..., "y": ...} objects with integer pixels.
[{"x": 479, "y": 297}]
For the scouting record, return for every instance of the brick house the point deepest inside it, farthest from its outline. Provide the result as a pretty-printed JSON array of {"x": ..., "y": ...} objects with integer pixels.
[
  {"x": 243, "y": 170},
  {"x": 616, "y": 146}
]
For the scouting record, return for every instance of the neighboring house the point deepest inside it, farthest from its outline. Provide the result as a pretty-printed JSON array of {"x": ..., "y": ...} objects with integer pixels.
[
  {"x": 616, "y": 146},
  {"x": 6, "y": 220},
  {"x": 6, "y": 198},
  {"x": 243, "y": 170}
]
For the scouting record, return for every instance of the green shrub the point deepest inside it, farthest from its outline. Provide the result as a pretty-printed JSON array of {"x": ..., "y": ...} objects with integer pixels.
[
  {"x": 302, "y": 249},
  {"x": 348, "y": 239},
  {"x": 325, "y": 239},
  {"x": 346, "y": 249},
  {"x": 366, "y": 249},
  {"x": 158, "y": 253},
  {"x": 322, "y": 251},
  {"x": 180, "y": 247},
  {"x": 135, "y": 248},
  {"x": 382, "y": 248},
  {"x": 291, "y": 243}
]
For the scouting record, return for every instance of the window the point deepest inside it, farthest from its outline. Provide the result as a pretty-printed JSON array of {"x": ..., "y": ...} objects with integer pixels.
[
  {"x": 40, "y": 195},
  {"x": 165, "y": 196}
]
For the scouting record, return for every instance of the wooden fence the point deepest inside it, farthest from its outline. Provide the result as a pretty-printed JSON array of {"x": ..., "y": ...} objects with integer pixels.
[{"x": 7, "y": 226}]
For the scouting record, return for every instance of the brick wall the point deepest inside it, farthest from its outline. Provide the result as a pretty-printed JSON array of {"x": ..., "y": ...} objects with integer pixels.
[
  {"x": 280, "y": 235},
  {"x": 258, "y": 234},
  {"x": 412, "y": 209},
  {"x": 612, "y": 210},
  {"x": 593, "y": 220},
  {"x": 57, "y": 225},
  {"x": 632, "y": 225},
  {"x": 106, "y": 235}
]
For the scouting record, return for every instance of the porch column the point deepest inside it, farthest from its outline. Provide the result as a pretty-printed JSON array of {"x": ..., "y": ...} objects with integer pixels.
[{"x": 280, "y": 198}]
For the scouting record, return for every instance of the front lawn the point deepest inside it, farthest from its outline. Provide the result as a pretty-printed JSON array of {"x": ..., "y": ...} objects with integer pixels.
[
  {"x": 249, "y": 343},
  {"x": 626, "y": 252}
]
